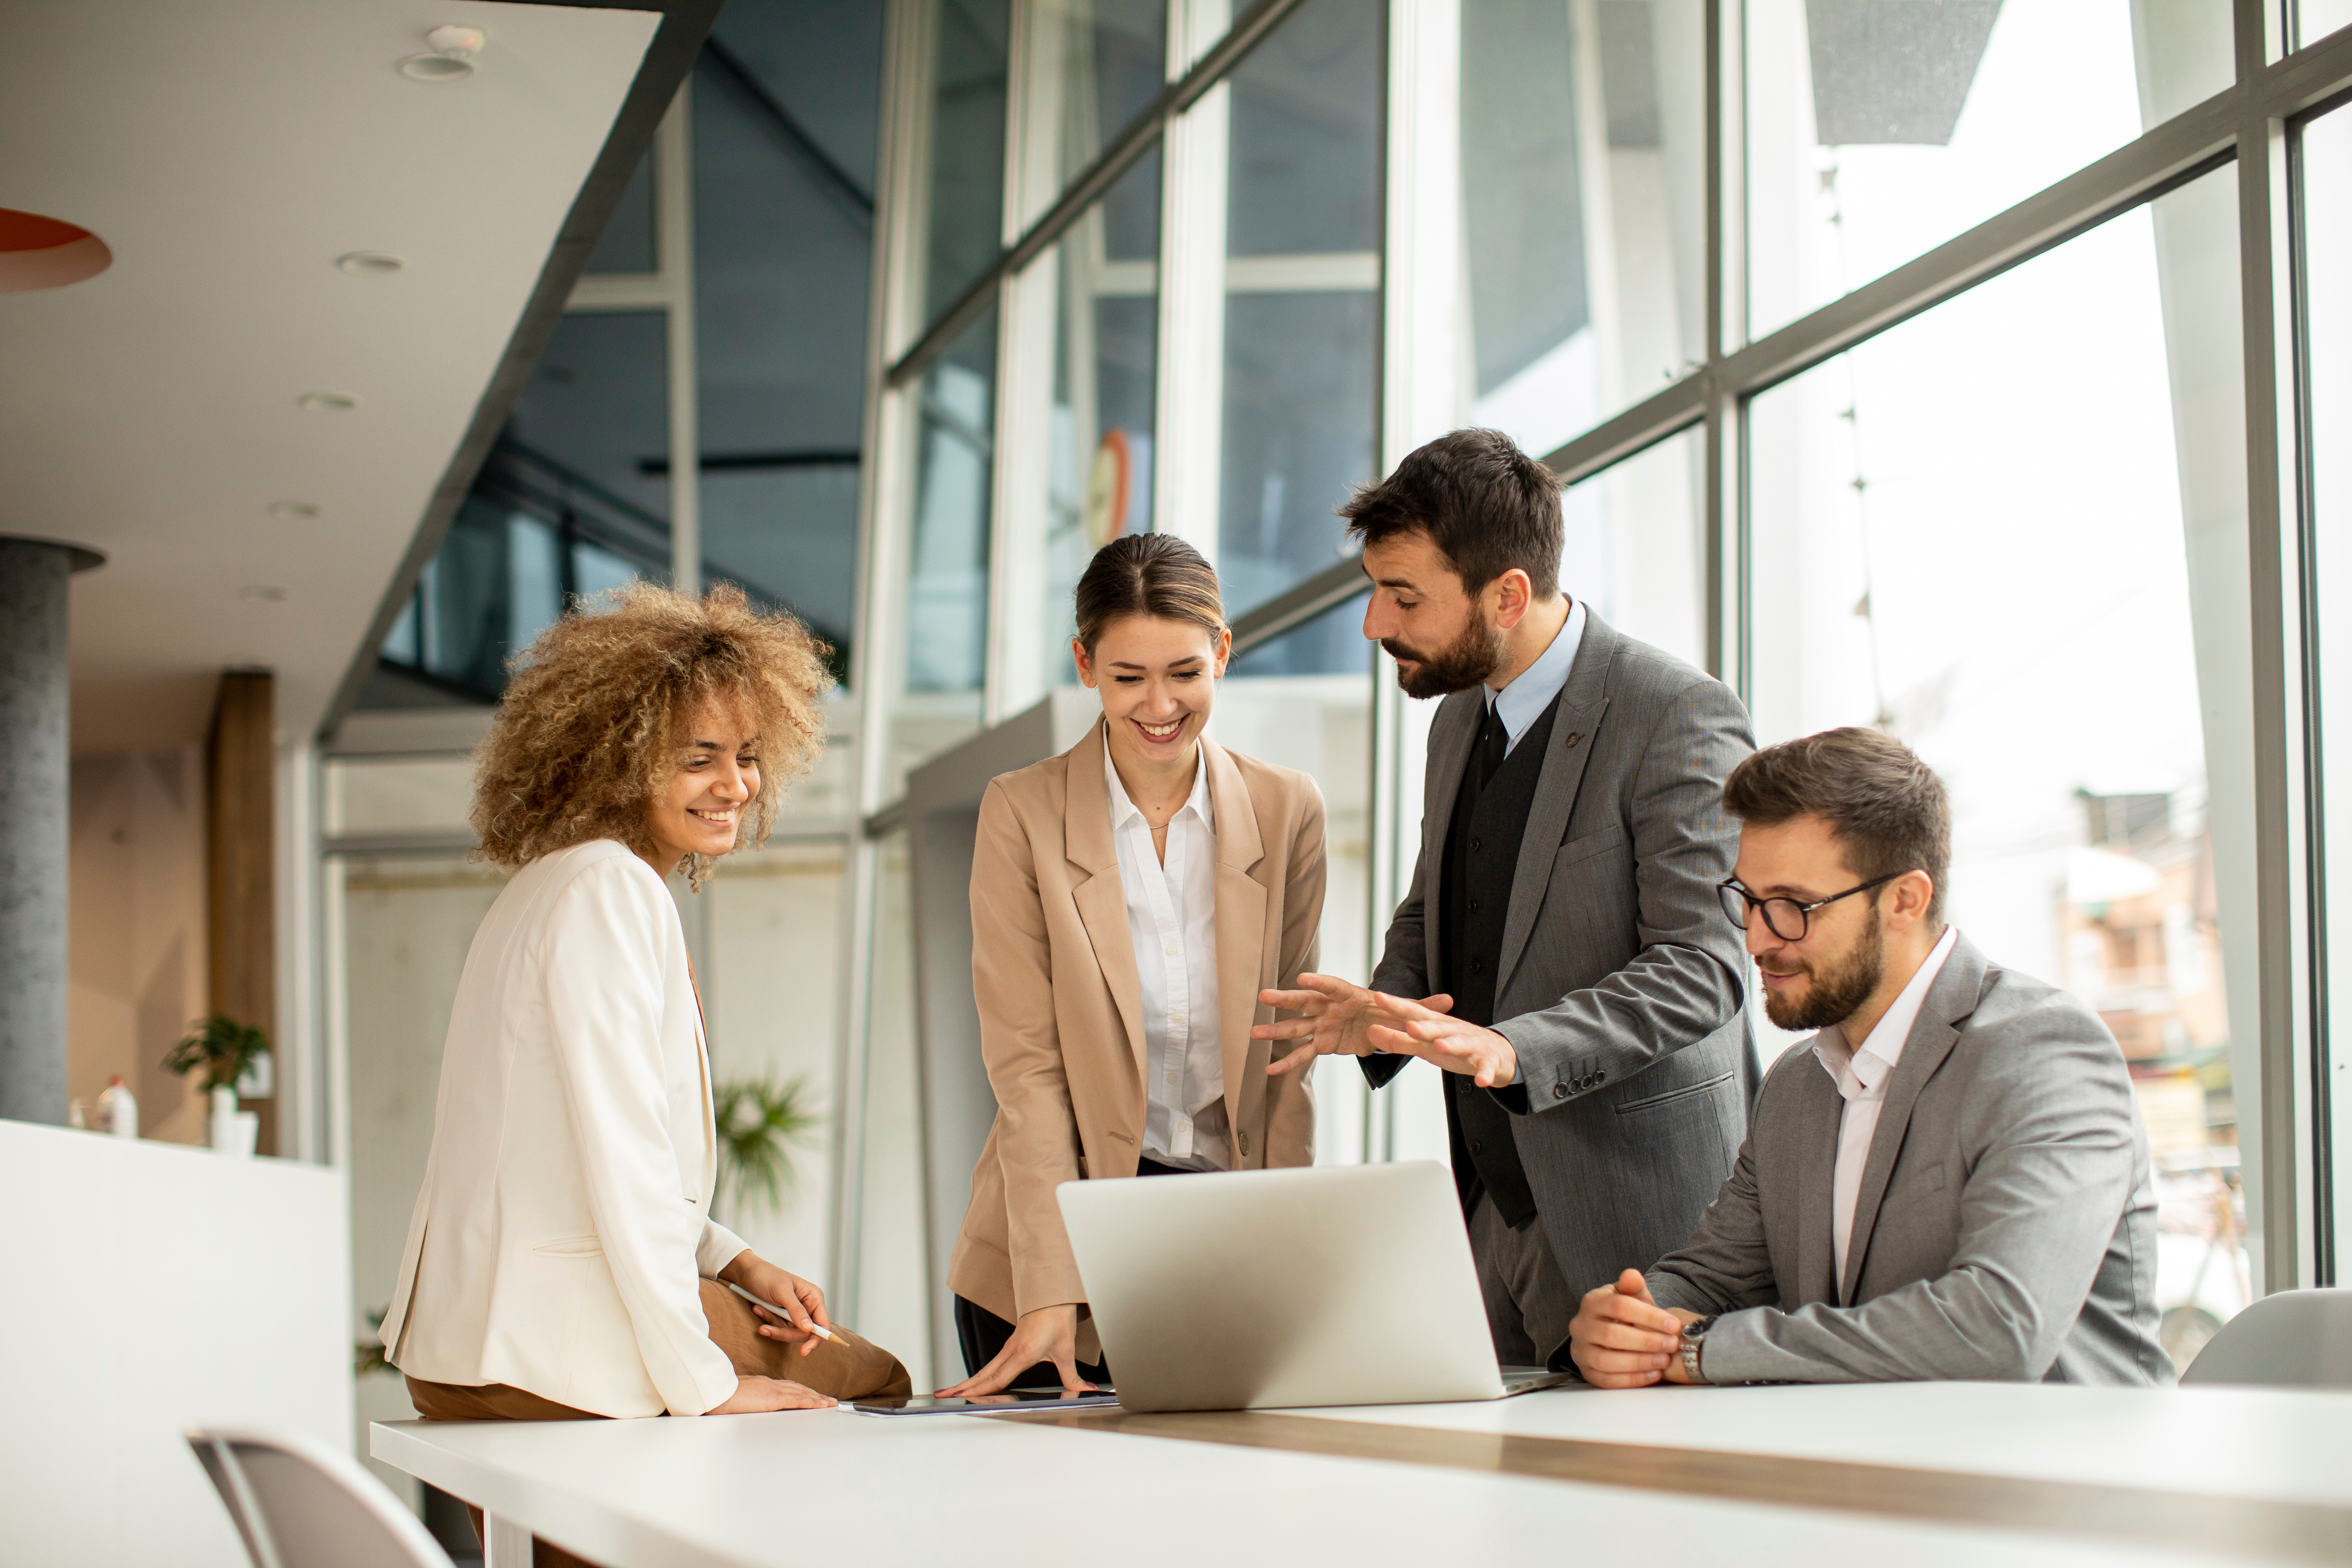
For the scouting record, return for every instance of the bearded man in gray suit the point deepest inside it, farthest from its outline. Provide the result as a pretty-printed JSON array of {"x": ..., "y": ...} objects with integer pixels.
[
  {"x": 1948, "y": 1181},
  {"x": 1561, "y": 953}
]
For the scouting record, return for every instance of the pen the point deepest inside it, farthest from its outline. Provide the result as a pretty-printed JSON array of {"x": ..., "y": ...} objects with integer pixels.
[{"x": 819, "y": 1329}]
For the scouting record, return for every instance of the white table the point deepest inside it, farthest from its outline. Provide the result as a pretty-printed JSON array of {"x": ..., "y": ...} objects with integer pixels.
[{"x": 1963, "y": 1473}]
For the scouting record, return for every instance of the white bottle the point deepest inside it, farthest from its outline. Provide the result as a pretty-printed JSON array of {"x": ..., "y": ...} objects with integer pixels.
[{"x": 118, "y": 1109}]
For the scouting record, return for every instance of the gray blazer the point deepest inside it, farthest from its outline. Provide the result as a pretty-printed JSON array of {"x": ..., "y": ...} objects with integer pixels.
[
  {"x": 2006, "y": 1225},
  {"x": 1621, "y": 981}
]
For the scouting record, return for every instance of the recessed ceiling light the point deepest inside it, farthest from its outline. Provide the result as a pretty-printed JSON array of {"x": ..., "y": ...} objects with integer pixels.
[
  {"x": 370, "y": 261},
  {"x": 269, "y": 590},
  {"x": 327, "y": 401},
  {"x": 300, "y": 508},
  {"x": 452, "y": 58}
]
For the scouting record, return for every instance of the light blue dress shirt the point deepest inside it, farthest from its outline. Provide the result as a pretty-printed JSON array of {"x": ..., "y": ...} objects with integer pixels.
[{"x": 1521, "y": 703}]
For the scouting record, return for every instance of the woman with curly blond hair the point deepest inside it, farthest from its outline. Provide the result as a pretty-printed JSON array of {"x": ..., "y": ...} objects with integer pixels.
[{"x": 561, "y": 1261}]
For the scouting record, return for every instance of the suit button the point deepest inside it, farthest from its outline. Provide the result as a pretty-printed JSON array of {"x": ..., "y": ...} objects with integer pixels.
[
  {"x": 1476, "y": 1147},
  {"x": 1560, "y": 1091},
  {"x": 1475, "y": 844},
  {"x": 1597, "y": 1077},
  {"x": 1477, "y": 966},
  {"x": 1473, "y": 906}
]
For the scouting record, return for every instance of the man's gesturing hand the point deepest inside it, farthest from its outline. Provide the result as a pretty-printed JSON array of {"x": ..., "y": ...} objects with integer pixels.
[
  {"x": 1338, "y": 1017},
  {"x": 1622, "y": 1339},
  {"x": 1416, "y": 1028}
]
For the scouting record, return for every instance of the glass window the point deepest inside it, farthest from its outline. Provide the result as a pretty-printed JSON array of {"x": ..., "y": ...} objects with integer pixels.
[
  {"x": 784, "y": 118},
  {"x": 945, "y": 665},
  {"x": 1877, "y": 131},
  {"x": 627, "y": 242},
  {"x": 1106, "y": 388},
  {"x": 1583, "y": 180},
  {"x": 1293, "y": 702},
  {"x": 1302, "y": 300},
  {"x": 2011, "y": 531},
  {"x": 573, "y": 500},
  {"x": 1635, "y": 549},
  {"x": 2325, "y": 198},
  {"x": 964, "y": 181},
  {"x": 2314, "y": 19},
  {"x": 1097, "y": 65}
]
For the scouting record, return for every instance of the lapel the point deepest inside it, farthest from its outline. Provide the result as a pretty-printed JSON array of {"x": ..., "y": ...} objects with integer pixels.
[
  {"x": 1240, "y": 936},
  {"x": 1948, "y": 1005},
  {"x": 1451, "y": 735},
  {"x": 1101, "y": 898},
  {"x": 1582, "y": 701},
  {"x": 1819, "y": 1112}
]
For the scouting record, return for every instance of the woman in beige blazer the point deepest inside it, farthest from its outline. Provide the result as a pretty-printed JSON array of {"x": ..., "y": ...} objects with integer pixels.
[
  {"x": 1130, "y": 899},
  {"x": 562, "y": 1261}
]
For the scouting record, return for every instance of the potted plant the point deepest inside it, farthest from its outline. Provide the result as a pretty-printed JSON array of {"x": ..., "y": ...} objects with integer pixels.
[
  {"x": 759, "y": 1120},
  {"x": 225, "y": 1050}
]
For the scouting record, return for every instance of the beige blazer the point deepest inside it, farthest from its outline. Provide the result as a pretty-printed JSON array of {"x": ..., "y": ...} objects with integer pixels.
[
  {"x": 558, "y": 1242},
  {"x": 1060, "y": 1012}
]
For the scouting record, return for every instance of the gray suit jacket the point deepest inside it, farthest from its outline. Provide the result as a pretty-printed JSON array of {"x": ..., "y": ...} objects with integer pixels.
[
  {"x": 1619, "y": 982},
  {"x": 2005, "y": 1228}
]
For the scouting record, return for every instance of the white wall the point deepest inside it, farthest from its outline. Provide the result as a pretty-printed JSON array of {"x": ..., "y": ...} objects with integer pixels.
[{"x": 151, "y": 1287}]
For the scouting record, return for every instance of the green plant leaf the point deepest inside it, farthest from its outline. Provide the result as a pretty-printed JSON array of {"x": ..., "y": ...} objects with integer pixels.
[
  {"x": 222, "y": 1047},
  {"x": 760, "y": 1119}
]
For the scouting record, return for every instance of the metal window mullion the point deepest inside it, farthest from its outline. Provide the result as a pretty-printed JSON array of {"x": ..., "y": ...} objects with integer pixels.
[
  {"x": 1721, "y": 500},
  {"x": 2281, "y": 822},
  {"x": 674, "y": 221}
]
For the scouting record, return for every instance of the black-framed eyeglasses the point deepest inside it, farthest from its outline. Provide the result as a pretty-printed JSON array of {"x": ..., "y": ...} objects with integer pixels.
[{"x": 1780, "y": 914}]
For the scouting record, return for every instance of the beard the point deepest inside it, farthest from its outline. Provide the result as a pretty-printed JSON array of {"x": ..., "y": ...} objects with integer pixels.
[
  {"x": 1462, "y": 664},
  {"x": 1834, "y": 993}
]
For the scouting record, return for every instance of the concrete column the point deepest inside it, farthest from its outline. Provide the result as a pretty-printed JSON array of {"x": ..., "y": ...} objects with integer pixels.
[{"x": 33, "y": 776}]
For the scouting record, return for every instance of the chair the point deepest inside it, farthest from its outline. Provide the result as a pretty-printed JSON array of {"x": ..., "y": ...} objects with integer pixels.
[
  {"x": 298, "y": 1504},
  {"x": 2296, "y": 1338}
]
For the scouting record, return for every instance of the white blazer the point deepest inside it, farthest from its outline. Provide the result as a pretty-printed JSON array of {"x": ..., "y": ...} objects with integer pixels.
[{"x": 564, "y": 1225}]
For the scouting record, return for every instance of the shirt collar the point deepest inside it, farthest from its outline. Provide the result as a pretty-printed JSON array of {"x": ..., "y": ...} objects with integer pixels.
[
  {"x": 1123, "y": 809},
  {"x": 1521, "y": 703},
  {"x": 1869, "y": 1064}
]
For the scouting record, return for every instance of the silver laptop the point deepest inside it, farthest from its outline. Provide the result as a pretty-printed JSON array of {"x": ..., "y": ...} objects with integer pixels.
[{"x": 1256, "y": 1289}]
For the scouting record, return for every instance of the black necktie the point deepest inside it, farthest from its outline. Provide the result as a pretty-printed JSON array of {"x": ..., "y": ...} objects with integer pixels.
[{"x": 1493, "y": 742}]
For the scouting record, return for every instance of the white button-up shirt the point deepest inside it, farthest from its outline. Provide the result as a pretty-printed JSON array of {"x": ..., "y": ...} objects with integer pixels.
[
  {"x": 1861, "y": 1075},
  {"x": 1172, "y": 918}
]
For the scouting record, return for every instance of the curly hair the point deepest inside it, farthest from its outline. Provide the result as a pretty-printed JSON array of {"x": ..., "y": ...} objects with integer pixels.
[{"x": 598, "y": 704}]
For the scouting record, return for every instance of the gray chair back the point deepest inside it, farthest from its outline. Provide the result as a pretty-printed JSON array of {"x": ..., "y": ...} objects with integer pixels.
[
  {"x": 298, "y": 1504},
  {"x": 2296, "y": 1338}
]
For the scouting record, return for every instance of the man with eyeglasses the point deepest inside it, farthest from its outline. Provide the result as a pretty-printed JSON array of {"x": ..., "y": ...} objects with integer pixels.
[{"x": 1949, "y": 1180}]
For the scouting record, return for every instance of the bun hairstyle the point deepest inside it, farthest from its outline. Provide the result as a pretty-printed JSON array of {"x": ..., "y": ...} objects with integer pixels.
[{"x": 1148, "y": 575}]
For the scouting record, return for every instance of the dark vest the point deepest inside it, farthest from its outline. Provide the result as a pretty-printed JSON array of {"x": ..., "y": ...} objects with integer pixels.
[{"x": 1481, "y": 856}]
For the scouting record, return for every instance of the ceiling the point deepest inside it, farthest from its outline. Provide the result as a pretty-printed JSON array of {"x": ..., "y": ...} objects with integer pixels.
[{"x": 228, "y": 154}]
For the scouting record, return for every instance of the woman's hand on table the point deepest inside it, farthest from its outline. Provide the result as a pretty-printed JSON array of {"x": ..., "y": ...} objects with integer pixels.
[
  {"x": 802, "y": 1303},
  {"x": 753, "y": 1394},
  {"x": 1050, "y": 1334}
]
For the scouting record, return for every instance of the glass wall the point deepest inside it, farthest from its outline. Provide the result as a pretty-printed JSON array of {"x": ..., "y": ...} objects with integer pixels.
[
  {"x": 1583, "y": 209},
  {"x": 2005, "y": 574},
  {"x": 1876, "y": 132},
  {"x": 1301, "y": 304}
]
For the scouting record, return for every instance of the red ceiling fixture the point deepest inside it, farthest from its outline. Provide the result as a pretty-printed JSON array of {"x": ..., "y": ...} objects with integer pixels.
[{"x": 39, "y": 252}]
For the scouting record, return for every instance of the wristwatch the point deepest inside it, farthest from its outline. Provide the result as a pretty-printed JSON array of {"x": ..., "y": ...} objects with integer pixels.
[{"x": 1692, "y": 1335}]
